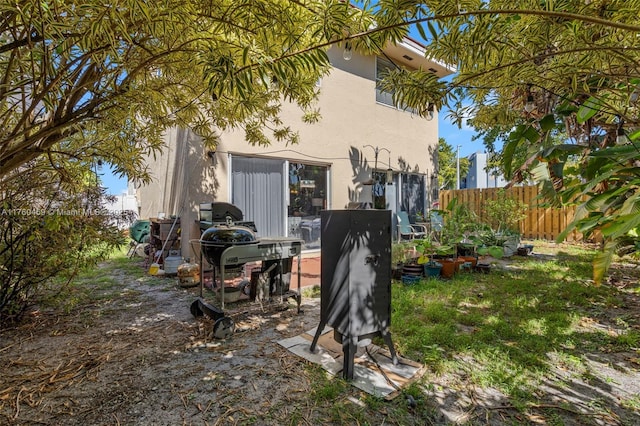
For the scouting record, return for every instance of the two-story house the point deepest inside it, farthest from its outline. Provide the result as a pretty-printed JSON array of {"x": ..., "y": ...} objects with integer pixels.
[{"x": 283, "y": 188}]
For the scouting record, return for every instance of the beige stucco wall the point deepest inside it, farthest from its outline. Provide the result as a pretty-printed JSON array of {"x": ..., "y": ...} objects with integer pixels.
[{"x": 351, "y": 118}]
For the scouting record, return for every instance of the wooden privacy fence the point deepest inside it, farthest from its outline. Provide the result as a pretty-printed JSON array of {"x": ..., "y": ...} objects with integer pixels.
[{"x": 543, "y": 223}]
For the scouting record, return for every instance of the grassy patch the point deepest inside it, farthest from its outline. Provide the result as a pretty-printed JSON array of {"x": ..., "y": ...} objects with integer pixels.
[
  {"x": 324, "y": 386},
  {"x": 311, "y": 292},
  {"x": 510, "y": 328},
  {"x": 337, "y": 402},
  {"x": 99, "y": 285},
  {"x": 632, "y": 403},
  {"x": 133, "y": 267}
]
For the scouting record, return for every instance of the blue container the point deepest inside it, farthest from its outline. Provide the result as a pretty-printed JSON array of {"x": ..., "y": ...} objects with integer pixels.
[
  {"x": 410, "y": 279},
  {"x": 432, "y": 269}
]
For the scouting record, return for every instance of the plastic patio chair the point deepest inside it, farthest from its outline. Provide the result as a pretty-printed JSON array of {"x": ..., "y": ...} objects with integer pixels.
[
  {"x": 407, "y": 230},
  {"x": 437, "y": 223}
]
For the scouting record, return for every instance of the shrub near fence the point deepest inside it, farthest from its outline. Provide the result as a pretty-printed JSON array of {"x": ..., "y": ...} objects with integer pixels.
[{"x": 543, "y": 223}]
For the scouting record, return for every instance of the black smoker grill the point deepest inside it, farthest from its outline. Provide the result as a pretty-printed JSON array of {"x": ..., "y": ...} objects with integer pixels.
[{"x": 355, "y": 280}]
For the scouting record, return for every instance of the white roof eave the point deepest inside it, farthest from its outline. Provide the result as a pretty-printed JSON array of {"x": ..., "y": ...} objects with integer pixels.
[{"x": 416, "y": 52}]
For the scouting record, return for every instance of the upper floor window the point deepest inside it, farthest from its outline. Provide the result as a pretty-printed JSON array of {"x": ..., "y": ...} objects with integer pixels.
[{"x": 383, "y": 66}]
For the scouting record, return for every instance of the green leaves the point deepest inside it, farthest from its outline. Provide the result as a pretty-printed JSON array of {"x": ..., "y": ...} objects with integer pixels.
[
  {"x": 588, "y": 109},
  {"x": 103, "y": 80},
  {"x": 413, "y": 89},
  {"x": 620, "y": 153},
  {"x": 602, "y": 260},
  {"x": 521, "y": 133},
  {"x": 433, "y": 33},
  {"x": 622, "y": 225},
  {"x": 547, "y": 122},
  {"x": 128, "y": 73},
  {"x": 447, "y": 165},
  {"x": 575, "y": 71},
  {"x": 54, "y": 225},
  {"x": 610, "y": 200}
]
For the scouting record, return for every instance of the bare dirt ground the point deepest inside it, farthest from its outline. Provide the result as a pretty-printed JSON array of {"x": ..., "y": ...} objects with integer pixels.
[{"x": 140, "y": 358}]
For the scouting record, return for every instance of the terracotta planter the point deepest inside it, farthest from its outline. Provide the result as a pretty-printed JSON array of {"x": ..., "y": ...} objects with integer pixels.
[
  {"x": 448, "y": 268},
  {"x": 472, "y": 259}
]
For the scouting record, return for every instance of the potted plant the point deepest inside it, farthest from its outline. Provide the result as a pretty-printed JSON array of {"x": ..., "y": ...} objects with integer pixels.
[
  {"x": 448, "y": 267},
  {"x": 466, "y": 248},
  {"x": 427, "y": 248},
  {"x": 411, "y": 266},
  {"x": 489, "y": 243},
  {"x": 504, "y": 214},
  {"x": 400, "y": 255},
  {"x": 445, "y": 254},
  {"x": 444, "y": 251},
  {"x": 459, "y": 222},
  {"x": 432, "y": 268}
]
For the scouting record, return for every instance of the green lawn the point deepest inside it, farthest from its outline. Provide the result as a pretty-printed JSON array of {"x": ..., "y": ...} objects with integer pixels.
[{"x": 506, "y": 328}]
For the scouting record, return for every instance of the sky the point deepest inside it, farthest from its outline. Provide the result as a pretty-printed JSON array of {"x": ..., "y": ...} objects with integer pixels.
[
  {"x": 455, "y": 136},
  {"x": 114, "y": 185}
]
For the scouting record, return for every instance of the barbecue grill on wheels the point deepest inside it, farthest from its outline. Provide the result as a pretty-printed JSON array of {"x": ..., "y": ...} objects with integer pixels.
[{"x": 229, "y": 242}]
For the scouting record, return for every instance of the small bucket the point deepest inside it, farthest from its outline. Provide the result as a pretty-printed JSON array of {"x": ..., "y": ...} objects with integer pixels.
[{"x": 154, "y": 268}]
